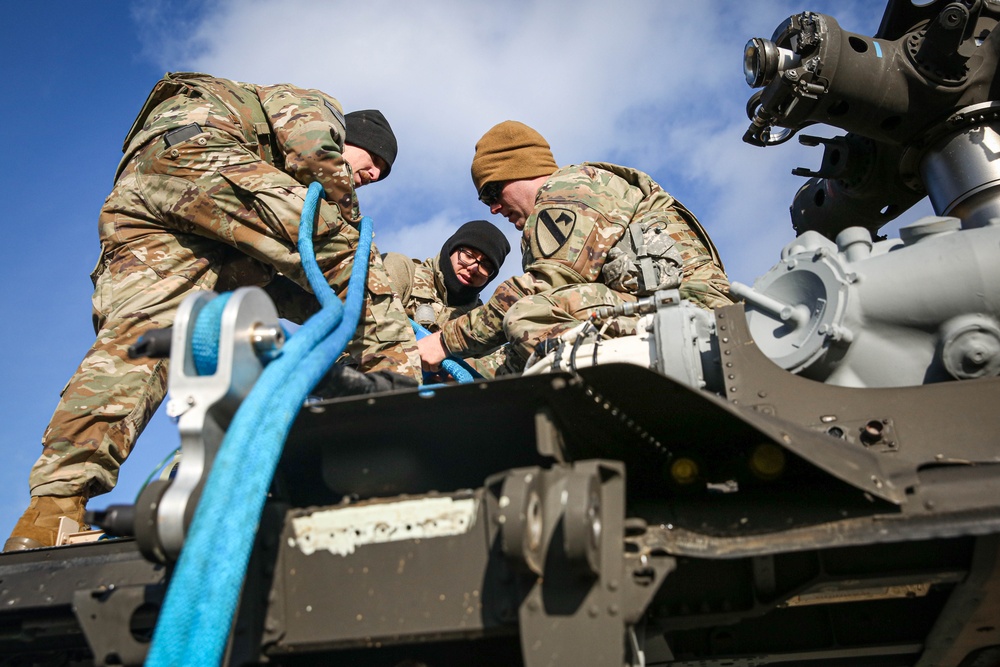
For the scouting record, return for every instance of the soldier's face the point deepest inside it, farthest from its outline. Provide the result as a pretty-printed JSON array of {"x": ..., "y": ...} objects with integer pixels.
[
  {"x": 367, "y": 168},
  {"x": 516, "y": 201},
  {"x": 471, "y": 266}
]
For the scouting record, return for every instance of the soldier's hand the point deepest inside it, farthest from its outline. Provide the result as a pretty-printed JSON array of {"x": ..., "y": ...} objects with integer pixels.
[{"x": 432, "y": 351}]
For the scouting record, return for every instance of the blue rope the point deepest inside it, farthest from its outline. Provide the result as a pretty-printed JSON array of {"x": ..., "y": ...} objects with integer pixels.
[
  {"x": 458, "y": 369},
  {"x": 198, "y": 611},
  {"x": 205, "y": 336}
]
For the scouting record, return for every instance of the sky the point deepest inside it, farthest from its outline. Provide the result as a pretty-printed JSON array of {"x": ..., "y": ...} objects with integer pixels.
[{"x": 652, "y": 84}]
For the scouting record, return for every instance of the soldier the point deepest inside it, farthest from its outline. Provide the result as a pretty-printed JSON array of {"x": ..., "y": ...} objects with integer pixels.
[
  {"x": 208, "y": 196},
  {"x": 448, "y": 285},
  {"x": 593, "y": 234}
]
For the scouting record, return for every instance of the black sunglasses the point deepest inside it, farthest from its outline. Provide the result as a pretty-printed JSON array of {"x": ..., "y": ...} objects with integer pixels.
[{"x": 490, "y": 192}]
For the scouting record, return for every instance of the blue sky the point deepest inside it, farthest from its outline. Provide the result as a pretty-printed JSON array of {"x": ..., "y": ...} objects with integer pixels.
[{"x": 652, "y": 84}]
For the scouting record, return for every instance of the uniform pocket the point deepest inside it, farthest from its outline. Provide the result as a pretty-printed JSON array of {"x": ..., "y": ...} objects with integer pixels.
[
  {"x": 385, "y": 321},
  {"x": 198, "y": 154},
  {"x": 100, "y": 278},
  {"x": 99, "y": 267}
]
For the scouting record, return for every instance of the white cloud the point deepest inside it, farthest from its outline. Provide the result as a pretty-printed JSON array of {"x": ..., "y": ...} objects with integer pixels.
[{"x": 420, "y": 239}]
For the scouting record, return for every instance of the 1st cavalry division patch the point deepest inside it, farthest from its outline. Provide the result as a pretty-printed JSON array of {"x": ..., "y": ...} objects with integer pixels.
[{"x": 553, "y": 229}]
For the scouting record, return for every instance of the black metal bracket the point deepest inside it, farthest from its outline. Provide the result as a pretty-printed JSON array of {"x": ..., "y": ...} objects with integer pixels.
[
  {"x": 563, "y": 530},
  {"x": 118, "y": 622}
]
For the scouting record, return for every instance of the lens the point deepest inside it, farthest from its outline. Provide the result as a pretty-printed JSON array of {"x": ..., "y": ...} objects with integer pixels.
[
  {"x": 752, "y": 62},
  {"x": 763, "y": 61},
  {"x": 490, "y": 193}
]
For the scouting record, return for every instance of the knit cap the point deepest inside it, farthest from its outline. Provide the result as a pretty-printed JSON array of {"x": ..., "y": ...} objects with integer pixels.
[
  {"x": 368, "y": 129},
  {"x": 479, "y": 235},
  {"x": 482, "y": 236},
  {"x": 511, "y": 151}
]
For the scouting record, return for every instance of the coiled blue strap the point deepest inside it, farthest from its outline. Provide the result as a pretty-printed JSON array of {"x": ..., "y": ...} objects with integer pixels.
[
  {"x": 458, "y": 369},
  {"x": 198, "y": 611},
  {"x": 205, "y": 336}
]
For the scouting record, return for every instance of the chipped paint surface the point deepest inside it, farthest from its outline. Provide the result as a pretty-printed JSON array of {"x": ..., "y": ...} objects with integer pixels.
[
  {"x": 860, "y": 594},
  {"x": 342, "y": 530}
]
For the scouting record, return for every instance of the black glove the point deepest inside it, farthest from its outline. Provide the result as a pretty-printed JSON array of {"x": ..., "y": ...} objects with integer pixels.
[{"x": 343, "y": 381}]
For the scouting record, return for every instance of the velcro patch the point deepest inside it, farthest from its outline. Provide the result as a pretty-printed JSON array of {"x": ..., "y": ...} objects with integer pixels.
[{"x": 553, "y": 229}]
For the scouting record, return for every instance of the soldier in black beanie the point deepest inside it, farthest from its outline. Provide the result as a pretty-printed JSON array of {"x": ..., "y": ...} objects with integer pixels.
[
  {"x": 449, "y": 284},
  {"x": 369, "y": 130},
  {"x": 474, "y": 240}
]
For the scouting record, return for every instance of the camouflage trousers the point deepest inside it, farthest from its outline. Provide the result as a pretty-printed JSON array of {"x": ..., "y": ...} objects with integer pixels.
[
  {"x": 177, "y": 222},
  {"x": 548, "y": 314}
]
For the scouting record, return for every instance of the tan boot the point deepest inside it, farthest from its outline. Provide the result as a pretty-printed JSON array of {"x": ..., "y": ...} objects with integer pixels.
[{"x": 39, "y": 524}]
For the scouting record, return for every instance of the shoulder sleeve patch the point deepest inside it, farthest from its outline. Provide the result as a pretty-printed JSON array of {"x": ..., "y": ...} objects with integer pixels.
[{"x": 553, "y": 229}]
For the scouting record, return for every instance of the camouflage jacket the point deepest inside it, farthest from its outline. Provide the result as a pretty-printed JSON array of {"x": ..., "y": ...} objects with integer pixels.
[
  {"x": 420, "y": 286},
  {"x": 300, "y": 131},
  {"x": 581, "y": 214},
  {"x": 260, "y": 131}
]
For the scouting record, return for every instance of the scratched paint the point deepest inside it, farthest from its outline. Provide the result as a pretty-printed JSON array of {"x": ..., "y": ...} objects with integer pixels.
[{"x": 344, "y": 529}]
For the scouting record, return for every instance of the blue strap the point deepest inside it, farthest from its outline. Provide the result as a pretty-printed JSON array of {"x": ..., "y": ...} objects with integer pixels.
[
  {"x": 198, "y": 611},
  {"x": 205, "y": 336},
  {"x": 458, "y": 369}
]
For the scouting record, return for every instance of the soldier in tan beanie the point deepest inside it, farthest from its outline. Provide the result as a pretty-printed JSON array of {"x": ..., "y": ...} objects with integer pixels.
[
  {"x": 514, "y": 159},
  {"x": 577, "y": 254}
]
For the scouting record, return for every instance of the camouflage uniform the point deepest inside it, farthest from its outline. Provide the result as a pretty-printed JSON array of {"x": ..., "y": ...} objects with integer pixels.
[
  {"x": 578, "y": 254},
  {"x": 420, "y": 285},
  {"x": 216, "y": 209}
]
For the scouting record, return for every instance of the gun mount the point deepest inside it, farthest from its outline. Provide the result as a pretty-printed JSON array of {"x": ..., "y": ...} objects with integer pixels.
[{"x": 807, "y": 478}]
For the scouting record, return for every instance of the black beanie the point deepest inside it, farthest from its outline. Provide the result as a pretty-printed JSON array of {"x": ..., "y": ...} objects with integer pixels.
[
  {"x": 370, "y": 130},
  {"x": 478, "y": 235}
]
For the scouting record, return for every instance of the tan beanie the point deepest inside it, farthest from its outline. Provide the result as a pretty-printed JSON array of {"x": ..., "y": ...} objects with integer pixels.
[{"x": 511, "y": 151}]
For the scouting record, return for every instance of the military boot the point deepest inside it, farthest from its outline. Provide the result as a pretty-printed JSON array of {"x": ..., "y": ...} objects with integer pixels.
[{"x": 39, "y": 524}]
